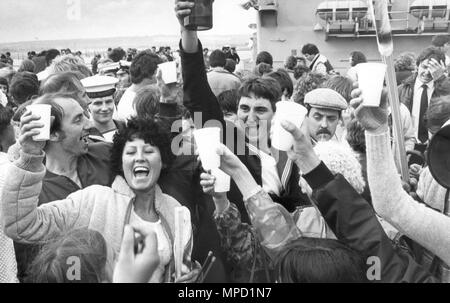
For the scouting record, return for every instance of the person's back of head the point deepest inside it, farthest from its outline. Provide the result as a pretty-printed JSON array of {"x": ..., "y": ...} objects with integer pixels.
[
  {"x": 264, "y": 57},
  {"x": 117, "y": 54},
  {"x": 51, "y": 55},
  {"x": 405, "y": 62},
  {"x": 144, "y": 66},
  {"x": 262, "y": 69},
  {"x": 310, "y": 49},
  {"x": 24, "y": 85},
  {"x": 217, "y": 58},
  {"x": 230, "y": 65},
  {"x": 56, "y": 261},
  {"x": 356, "y": 137},
  {"x": 147, "y": 101},
  {"x": 340, "y": 84},
  {"x": 308, "y": 260},
  {"x": 27, "y": 66},
  {"x": 69, "y": 63},
  {"x": 261, "y": 87},
  {"x": 285, "y": 81},
  {"x": 291, "y": 63}
]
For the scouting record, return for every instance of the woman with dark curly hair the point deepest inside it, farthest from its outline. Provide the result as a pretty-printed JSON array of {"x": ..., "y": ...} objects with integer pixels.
[
  {"x": 356, "y": 58},
  {"x": 140, "y": 154}
]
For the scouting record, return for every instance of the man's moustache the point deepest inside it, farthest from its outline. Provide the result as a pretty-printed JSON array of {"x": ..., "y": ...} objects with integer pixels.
[{"x": 323, "y": 132}]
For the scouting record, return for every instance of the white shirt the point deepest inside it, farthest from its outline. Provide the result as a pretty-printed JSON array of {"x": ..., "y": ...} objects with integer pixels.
[
  {"x": 125, "y": 109},
  {"x": 269, "y": 174},
  {"x": 417, "y": 99},
  {"x": 164, "y": 247}
]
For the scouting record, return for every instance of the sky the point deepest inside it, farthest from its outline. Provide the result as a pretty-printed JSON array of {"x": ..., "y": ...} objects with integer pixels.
[{"x": 30, "y": 20}]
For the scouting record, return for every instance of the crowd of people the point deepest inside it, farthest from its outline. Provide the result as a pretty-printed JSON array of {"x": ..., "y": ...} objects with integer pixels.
[{"x": 121, "y": 162}]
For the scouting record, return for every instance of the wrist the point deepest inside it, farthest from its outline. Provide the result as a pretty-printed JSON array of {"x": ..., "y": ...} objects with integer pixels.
[
  {"x": 378, "y": 131},
  {"x": 308, "y": 164},
  {"x": 221, "y": 202}
]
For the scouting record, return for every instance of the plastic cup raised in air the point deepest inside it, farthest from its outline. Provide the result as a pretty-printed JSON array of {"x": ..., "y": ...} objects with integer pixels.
[
  {"x": 169, "y": 72},
  {"x": 201, "y": 18},
  {"x": 370, "y": 80},
  {"x": 44, "y": 111},
  {"x": 289, "y": 111},
  {"x": 208, "y": 141},
  {"x": 223, "y": 181}
]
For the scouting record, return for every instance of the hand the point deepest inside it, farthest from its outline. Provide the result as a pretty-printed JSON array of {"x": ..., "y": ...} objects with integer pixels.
[
  {"x": 136, "y": 268},
  {"x": 302, "y": 153},
  {"x": 183, "y": 9},
  {"x": 229, "y": 162},
  {"x": 414, "y": 171},
  {"x": 373, "y": 119},
  {"x": 28, "y": 129},
  {"x": 437, "y": 69},
  {"x": 192, "y": 276}
]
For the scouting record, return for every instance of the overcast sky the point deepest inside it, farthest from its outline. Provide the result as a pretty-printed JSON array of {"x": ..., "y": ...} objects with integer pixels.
[{"x": 28, "y": 20}]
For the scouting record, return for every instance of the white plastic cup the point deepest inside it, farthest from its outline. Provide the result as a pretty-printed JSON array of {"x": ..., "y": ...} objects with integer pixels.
[
  {"x": 208, "y": 141},
  {"x": 169, "y": 72},
  {"x": 223, "y": 181},
  {"x": 286, "y": 111},
  {"x": 44, "y": 111},
  {"x": 370, "y": 80}
]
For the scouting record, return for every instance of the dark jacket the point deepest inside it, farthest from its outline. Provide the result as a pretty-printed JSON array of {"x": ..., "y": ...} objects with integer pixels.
[
  {"x": 199, "y": 98},
  {"x": 354, "y": 222},
  {"x": 406, "y": 90}
]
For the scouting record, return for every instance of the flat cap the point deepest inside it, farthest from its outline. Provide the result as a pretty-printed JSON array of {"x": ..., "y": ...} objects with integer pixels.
[{"x": 326, "y": 98}]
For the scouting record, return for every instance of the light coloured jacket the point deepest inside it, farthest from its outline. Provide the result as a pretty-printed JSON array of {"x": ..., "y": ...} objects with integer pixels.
[
  {"x": 423, "y": 225},
  {"x": 8, "y": 264},
  {"x": 98, "y": 208},
  {"x": 221, "y": 80}
]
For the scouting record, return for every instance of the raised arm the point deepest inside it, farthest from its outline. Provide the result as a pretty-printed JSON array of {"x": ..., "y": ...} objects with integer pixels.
[
  {"x": 423, "y": 225},
  {"x": 198, "y": 96}
]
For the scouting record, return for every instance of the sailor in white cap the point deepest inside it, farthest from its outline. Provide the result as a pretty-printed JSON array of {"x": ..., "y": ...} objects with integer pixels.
[
  {"x": 325, "y": 108},
  {"x": 101, "y": 89}
]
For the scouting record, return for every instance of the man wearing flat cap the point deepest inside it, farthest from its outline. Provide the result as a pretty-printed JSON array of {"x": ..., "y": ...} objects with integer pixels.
[
  {"x": 325, "y": 108},
  {"x": 100, "y": 90}
]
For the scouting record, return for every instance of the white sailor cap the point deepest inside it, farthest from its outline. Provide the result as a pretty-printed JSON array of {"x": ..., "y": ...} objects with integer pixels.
[{"x": 100, "y": 86}]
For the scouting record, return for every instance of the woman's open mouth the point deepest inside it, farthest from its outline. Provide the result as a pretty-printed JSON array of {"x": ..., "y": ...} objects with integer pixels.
[{"x": 141, "y": 172}]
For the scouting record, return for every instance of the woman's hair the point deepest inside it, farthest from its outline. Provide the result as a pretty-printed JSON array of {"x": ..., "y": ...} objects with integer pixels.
[
  {"x": 405, "y": 62},
  {"x": 342, "y": 85},
  {"x": 117, "y": 54},
  {"x": 357, "y": 58},
  {"x": 152, "y": 131},
  {"x": 56, "y": 259},
  {"x": 307, "y": 83},
  {"x": 147, "y": 101},
  {"x": 308, "y": 260},
  {"x": 341, "y": 160},
  {"x": 69, "y": 63},
  {"x": 27, "y": 66}
]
